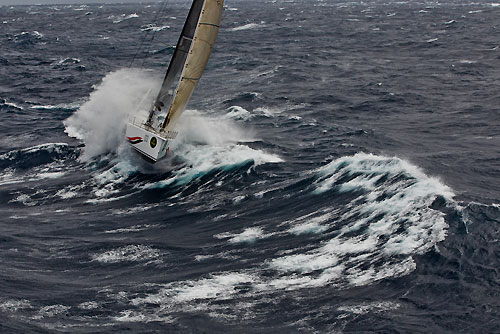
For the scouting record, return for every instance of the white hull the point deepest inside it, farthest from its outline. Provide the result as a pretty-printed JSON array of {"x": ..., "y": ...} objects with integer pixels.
[{"x": 151, "y": 144}]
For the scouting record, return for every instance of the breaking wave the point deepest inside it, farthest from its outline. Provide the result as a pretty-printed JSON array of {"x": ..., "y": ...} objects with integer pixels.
[{"x": 387, "y": 215}]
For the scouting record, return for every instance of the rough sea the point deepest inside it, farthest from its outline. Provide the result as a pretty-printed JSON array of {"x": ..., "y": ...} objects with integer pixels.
[{"x": 337, "y": 170}]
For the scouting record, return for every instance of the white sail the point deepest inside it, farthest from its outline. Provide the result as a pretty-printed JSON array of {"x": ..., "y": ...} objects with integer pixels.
[
  {"x": 184, "y": 72},
  {"x": 197, "y": 59},
  {"x": 171, "y": 81}
]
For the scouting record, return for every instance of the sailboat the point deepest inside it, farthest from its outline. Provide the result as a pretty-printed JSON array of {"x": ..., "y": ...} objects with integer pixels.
[{"x": 150, "y": 137}]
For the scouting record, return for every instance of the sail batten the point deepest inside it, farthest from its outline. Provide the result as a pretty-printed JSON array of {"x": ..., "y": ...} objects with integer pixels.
[
  {"x": 165, "y": 95},
  {"x": 207, "y": 28},
  {"x": 189, "y": 59}
]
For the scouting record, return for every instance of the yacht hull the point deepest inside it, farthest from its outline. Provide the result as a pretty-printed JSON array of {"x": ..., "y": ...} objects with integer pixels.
[{"x": 147, "y": 142}]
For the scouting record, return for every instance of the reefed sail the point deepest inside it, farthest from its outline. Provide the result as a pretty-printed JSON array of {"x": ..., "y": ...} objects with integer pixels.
[{"x": 188, "y": 62}]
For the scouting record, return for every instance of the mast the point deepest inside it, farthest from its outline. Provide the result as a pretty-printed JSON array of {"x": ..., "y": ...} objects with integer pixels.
[
  {"x": 201, "y": 43},
  {"x": 178, "y": 59},
  {"x": 189, "y": 60},
  {"x": 184, "y": 71},
  {"x": 201, "y": 48}
]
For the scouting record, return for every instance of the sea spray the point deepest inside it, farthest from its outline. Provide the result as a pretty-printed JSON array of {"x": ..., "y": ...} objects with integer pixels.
[
  {"x": 100, "y": 122},
  {"x": 209, "y": 142}
]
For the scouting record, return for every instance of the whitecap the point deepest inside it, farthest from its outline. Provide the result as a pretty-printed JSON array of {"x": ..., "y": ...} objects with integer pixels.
[
  {"x": 69, "y": 192},
  {"x": 13, "y": 305},
  {"x": 135, "y": 316},
  {"x": 237, "y": 112},
  {"x": 249, "y": 235},
  {"x": 49, "y": 175},
  {"x": 247, "y": 26},
  {"x": 466, "y": 61},
  {"x": 91, "y": 305},
  {"x": 13, "y": 105},
  {"x": 131, "y": 253},
  {"x": 135, "y": 228},
  {"x": 210, "y": 144},
  {"x": 51, "y": 311},
  {"x": 155, "y": 28},
  {"x": 123, "y": 17},
  {"x": 220, "y": 286},
  {"x": 364, "y": 308},
  {"x": 24, "y": 199},
  {"x": 309, "y": 227}
]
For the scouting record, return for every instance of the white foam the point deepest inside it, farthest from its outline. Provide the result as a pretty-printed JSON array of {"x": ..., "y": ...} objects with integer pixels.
[
  {"x": 18, "y": 217},
  {"x": 49, "y": 175},
  {"x": 248, "y": 26},
  {"x": 237, "y": 112},
  {"x": 24, "y": 199},
  {"x": 135, "y": 228},
  {"x": 13, "y": 305},
  {"x": 208, "y": 144},
  {"x": 34, "y": 33},
  {"x": 365, "y": 308},
  {"x": 92, "y": 305},
  {"x": 69, "y": 192},
  {"x": 106, "y": 184},
  {"x": 11, "y": 104},
  {"x": 268, "y": 112},
  {"x": 155, "y": 28},
  {"x": 197, "y": 128},
  {"x": 218, "y": 286},
  {"x": 135, "y": 316},
  {"x": 130, "y": 211},
  {"x": 358, "y": 277},
  {"x": 238, "y": 199},
  {"x": 51, "y": 311},
  {"x": 249, "y": 235},
  {"x": 8, "y": 177},
  {"x": 67, "y": 106},
  {"x": 308, "y": 224},
  {"x": 466, "y": 61},
  {"x": 100, "y": 121},
  {"x": 306, "y": 228},
  {"x": 305, "y": 263},
  {"x": 122, "y": 17},
  {"x": 388, "y": 220},
  {"x": 131, "y": 253},
  {"x": 277, "y": 110},
  {"x": 395, "y": 213}
]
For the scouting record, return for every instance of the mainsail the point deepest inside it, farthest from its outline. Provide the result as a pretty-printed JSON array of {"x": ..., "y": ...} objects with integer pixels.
[
  {"x": 151, "y": 137},
  {"x": 189, "y": 60}
]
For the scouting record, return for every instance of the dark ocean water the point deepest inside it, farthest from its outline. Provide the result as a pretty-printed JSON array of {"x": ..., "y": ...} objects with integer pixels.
[{"x": 337, "y": 171}]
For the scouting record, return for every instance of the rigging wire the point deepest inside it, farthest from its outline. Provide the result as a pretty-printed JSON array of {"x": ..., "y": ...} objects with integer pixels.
[{"x": 161, "y": 11}]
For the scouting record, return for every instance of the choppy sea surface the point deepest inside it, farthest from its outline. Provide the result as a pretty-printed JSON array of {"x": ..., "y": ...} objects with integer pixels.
[{"x": 337, "y": 171}]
